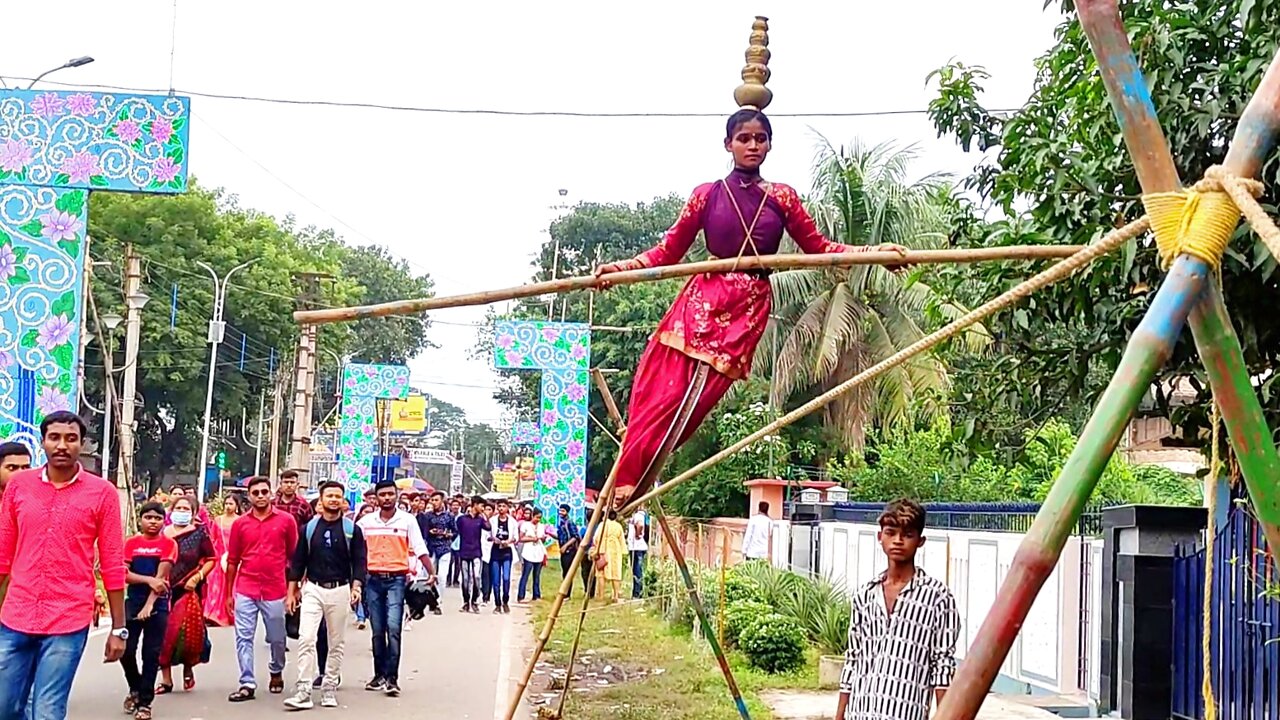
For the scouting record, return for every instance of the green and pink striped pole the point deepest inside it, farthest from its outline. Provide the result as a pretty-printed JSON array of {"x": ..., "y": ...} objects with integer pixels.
[{"x": 1182, "y": 290}]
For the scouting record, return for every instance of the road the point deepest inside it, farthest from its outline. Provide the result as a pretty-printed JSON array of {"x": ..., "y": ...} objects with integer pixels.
[{"x": 451, "y": 669}]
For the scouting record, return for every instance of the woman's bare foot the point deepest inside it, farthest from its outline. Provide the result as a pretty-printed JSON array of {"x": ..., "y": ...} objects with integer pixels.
[{"x": 622, "y": 495}]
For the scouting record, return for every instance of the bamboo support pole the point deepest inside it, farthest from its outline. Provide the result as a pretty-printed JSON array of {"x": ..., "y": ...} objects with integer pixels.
[
  {"x": 770, "y": 262},
  {"x": 514, "y": 704},
  {"x": 717, "y": 647},
  {"x": 582, "y": 618},
  {"x": 677, "y": 554},
  {"x": 1039, "y": 281},
  {"x": 1151, "y": 344}
]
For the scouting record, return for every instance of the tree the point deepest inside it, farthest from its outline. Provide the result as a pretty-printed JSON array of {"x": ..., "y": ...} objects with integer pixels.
[
  {"x": 172, "y": 233},
  {"x": 831, "y": 324},
  {"x": 1055, "y": 171}
]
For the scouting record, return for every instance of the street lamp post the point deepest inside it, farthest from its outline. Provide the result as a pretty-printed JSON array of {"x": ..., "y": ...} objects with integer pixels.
[
  {"x": 72, "y": 63},
  {"x": 217, "y": 330},
  {"x": 111, "y": 321}
]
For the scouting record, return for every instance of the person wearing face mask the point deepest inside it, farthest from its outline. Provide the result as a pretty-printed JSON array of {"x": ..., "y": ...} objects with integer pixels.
[{"x": 185, "y": 642}]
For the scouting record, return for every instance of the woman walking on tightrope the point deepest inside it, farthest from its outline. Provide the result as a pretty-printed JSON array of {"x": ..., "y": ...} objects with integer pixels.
[{"x": 708, "y": 337}]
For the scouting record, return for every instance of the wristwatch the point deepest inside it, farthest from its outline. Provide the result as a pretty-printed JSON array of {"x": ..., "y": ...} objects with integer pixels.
[{"x": 122, "y": 633}]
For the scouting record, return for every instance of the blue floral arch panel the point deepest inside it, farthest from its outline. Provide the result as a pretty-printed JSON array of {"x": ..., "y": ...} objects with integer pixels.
[
  {"x": 362, "y": 387},
  {"x": 42, "y": 234},
  {"x": 562, "y": 351}
]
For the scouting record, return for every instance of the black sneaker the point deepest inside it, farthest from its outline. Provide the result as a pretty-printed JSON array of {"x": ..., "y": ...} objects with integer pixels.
[
  {"x": 375, "y": 685},
  {"x": 437, "y": 611},
  {"x": 506, "y": 609},
  {"x": 497, "y": 609},
  {"x": 392, "y": 690}
]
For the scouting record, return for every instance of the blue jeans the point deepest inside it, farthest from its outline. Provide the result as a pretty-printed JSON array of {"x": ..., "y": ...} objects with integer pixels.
[
  {"x": 438, "y": 555},
  {"x": 527, "y": 570},
  {"x": 486, "y": 581},
  {"x": 386, "y": 617},
  {"x": 39, "y": 668},
  {"x": 500, "y": 569},
  {"x": 637, "y": 573},
  {"x": 248, "y": 611}
]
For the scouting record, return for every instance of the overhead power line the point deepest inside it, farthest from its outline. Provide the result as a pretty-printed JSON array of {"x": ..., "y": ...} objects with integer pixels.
[{"x": 481, "y": 111}]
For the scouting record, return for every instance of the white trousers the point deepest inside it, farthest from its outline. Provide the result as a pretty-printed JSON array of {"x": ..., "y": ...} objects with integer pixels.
[{"x": 334, "y": 605}]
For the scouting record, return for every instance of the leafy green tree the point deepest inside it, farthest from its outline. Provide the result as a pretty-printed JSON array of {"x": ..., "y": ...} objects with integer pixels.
[
  {"x": 172, "y": 234},
  {"x": 829, "y": 325},
  {"x": 1055, "y": 172}
]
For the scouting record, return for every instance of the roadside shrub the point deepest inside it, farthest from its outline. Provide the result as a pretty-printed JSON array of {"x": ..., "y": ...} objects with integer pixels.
[
  {"x": 774, "y": 643},
  {"x": 741, "y": 614},
  {"x": 739, "y": 587}
]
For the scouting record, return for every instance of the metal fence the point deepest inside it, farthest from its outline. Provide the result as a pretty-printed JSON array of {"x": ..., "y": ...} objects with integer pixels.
[
  {"x": 998, "y": 517},
  {"x": 1245, "y": 635}
]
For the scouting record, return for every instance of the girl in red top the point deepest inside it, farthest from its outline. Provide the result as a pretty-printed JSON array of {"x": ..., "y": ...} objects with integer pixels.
[{"x": 709, "y": 336}]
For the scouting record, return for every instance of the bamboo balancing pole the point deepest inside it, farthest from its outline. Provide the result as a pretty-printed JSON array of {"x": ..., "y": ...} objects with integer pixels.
[
  {"x": 1150, "y": 346},
  {"x": 1058, "y": 271},
  {"x": 770, "y": 262},
  {"x": 587, "y": 587}
]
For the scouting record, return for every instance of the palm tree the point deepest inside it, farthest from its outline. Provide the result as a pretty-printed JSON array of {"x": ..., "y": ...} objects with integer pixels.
[{"x": 830, "y": 324}]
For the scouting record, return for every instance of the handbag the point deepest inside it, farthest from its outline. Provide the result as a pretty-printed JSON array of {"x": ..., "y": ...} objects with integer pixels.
[{"x": 602, "y": 561}]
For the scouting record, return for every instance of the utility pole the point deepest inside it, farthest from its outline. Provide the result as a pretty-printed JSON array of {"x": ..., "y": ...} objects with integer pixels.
[
  {"x": 277, "y": 411},
  {"x": 134, "y": 300},
  {"x": 304, "y": 377},
  {"x": 217, "y": 331}
]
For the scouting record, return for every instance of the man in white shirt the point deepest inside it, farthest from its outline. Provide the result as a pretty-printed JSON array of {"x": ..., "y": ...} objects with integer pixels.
[
  {"x": 755, "y": 543},
  {"x": 638, "y": 546}
]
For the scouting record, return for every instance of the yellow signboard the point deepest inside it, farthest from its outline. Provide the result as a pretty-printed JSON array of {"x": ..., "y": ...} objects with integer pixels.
[
  {"x": 504, "y": 481},
  {"x": 409, "y": 415}
]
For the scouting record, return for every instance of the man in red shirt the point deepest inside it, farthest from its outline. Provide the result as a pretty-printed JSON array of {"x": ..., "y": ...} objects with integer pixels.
[
  {"x": 51, "y": 519},
  {"x": 258, "y": 551}
]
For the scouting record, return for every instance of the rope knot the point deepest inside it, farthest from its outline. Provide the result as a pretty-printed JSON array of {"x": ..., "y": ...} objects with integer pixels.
[{"x": 1201, "y": 220}]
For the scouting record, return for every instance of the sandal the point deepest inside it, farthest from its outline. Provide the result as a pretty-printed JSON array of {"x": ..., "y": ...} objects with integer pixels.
[
  {"x": 131, "y": 702},
  {"x": 142, "y": 713},
  {"x": 164, "y": 688},
  {"x": 277, "y": 684},
  {"x": 188, "y": 680},
  {"x": 244, "y": 694}
]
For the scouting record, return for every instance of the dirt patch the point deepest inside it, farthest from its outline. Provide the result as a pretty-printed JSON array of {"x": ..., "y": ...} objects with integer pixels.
[{"x": 596, "y": 670}]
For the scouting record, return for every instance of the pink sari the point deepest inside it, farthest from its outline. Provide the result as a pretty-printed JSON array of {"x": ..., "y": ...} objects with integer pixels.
[{"x": 215, "y": 591}]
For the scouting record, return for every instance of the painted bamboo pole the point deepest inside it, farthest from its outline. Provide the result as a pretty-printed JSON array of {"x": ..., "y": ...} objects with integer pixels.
[
  {"x": 1215, "y": 338},
  {"x": 707, "y": 629},
  {"x": 1149, "y": 347},
  {"x": 587, "y": 586},
  {"x": 770, "y": 262}
]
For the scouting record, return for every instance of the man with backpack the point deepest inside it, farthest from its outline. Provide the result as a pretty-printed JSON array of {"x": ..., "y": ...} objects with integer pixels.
[{"x": 325, "y": 582}]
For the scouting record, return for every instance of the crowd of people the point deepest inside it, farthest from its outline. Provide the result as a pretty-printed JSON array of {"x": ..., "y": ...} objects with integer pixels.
[{"x": 265, "y": 555}]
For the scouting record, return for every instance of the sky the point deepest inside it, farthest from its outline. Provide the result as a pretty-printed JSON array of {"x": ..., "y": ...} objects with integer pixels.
[{"x": 467, "y": 198}]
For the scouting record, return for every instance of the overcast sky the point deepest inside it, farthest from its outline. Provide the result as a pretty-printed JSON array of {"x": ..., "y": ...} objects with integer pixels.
[{"x": 467, "y": 198}]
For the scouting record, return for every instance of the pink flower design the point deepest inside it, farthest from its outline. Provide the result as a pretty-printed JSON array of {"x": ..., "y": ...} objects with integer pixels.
[
  {"x": 8, "y": 262},
  {"x": 49, "y": 105},
  {"x": 128, "y": 131},
  {"x": 59, "y": 225},
  {"x": 52, "y": 400},
  {"x": 14, "y": 155},
  {"x": 549, "y": 417},
  {"x": 82, "y": 104},
  {"x": 81, "y": 166},
  {"x": 578, "y": 352},
  {"x": 576, "y": 392},
  {"x": 574, "y": 449},
  {"x": 506, "y": 340},
  {"x": 162, "y": 129},
  {"x": 550, "y": 334},
  {"x": 55, "y": 331},
  {"x": 165, "y": 170},
  {"x": 515, "y": 359},
  {"x": 6, "y": 359}
]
